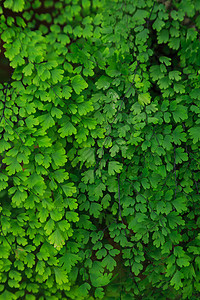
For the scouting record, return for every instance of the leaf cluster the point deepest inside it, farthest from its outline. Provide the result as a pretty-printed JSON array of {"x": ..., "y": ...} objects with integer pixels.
[{"x": 99, "y": 150}]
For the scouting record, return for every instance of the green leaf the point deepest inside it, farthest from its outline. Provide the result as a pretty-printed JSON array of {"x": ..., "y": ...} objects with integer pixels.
[
  {"x": 88, "y": 176},
  {"x": 179, "y": 135},
  {"x": 174, "y": 43},
  {"x": 66, "y": 92},
  {"x": 28, "y": 69},
  {"x": 174, "y": 219},
  {"x": 180, "y": 155},
  {"x": 123, "y": 130},
  {"x": 180, "y": 113},
  {"x": 95, "y": 209},
  {"x": 164, "y": 82},
  {"x": 114, "y": 150},
  {"x": 30, "y": 260},
  {"x": 101, "y": 253},
  {"x": 112, "y": 70},
  {"x": 158, "y": 24},
  {"x": 144, "y": 99},
  {"x": 165, "y": 60},
  {"x": 98, "y": 279},
  {"x": 43, "y": 215},
  {"x": 87, "y": 155},
  {"x": 39, "y": 158},
  {"x": 57, "y": 75},
  {"x": 56, "y": 215},
  {"x": 6, "y": 294},
  {"x": 103, "y": 82},
  {"x": 114, "y": 167},
  {"x": 106, "y": 201},
  {"x": 61, "y": 276},
  {"x": 59, "y": 156},
  {"x": 40, "y": 267},
  {"x": 136, "y": 268},
  {"x": 69, "y": 189},
  {"x": 17, "y": 61},
  {"x": 180, "y": 204},
  {"x": 179, "y": 88},
  {"x": 60, "y": 175},
  {"x": 68, "y": 260},
  {"x": 3, "y": 185},
  {"x": 56, "y": 112},
  {"x": 15, "y": 275},
  {"x": 67, "y": 129},
  {"x": 19, "y": 197},
  {"x": 4, "y": 145},
  {"x": 72, "y": 216},
  {"x": 176, "y": 280},
  {"x": 191, "y": 34},
  {"x": 109, "y": 263},
  {"x": 71, "y": 203},
  {"x": 15, "y": 5},
  {"x": 175, "y": 75},
  {"x": 99, "y": 293},
  {"x": 163, "y": 36},
  {"x": 78, "y": 84},
  {"x": 178, "y": 251},
  {"x": 49, "y": 226},
  {"x": 183, "y": 262},
  {"x": 12, "y": 165},
  {"x": 46, "y": 121},
  {"x": 57, "y": 239},
  {"x": 83, "y": 289},
  {"x": 44, "y": 141},
  {"x": 84, "y": 108},
  {"x": 195, "y": 133}
]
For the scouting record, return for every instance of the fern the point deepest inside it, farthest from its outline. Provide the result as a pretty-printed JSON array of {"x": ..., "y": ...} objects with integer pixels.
[{"x": 99, "y": 149}]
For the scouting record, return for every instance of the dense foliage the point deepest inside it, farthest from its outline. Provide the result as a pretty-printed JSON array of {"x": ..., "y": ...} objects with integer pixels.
[{"x": 99, "y": 149}]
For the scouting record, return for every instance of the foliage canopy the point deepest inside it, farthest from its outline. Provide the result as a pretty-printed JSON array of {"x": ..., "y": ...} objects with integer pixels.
[{"x": 99, "y": 149}]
